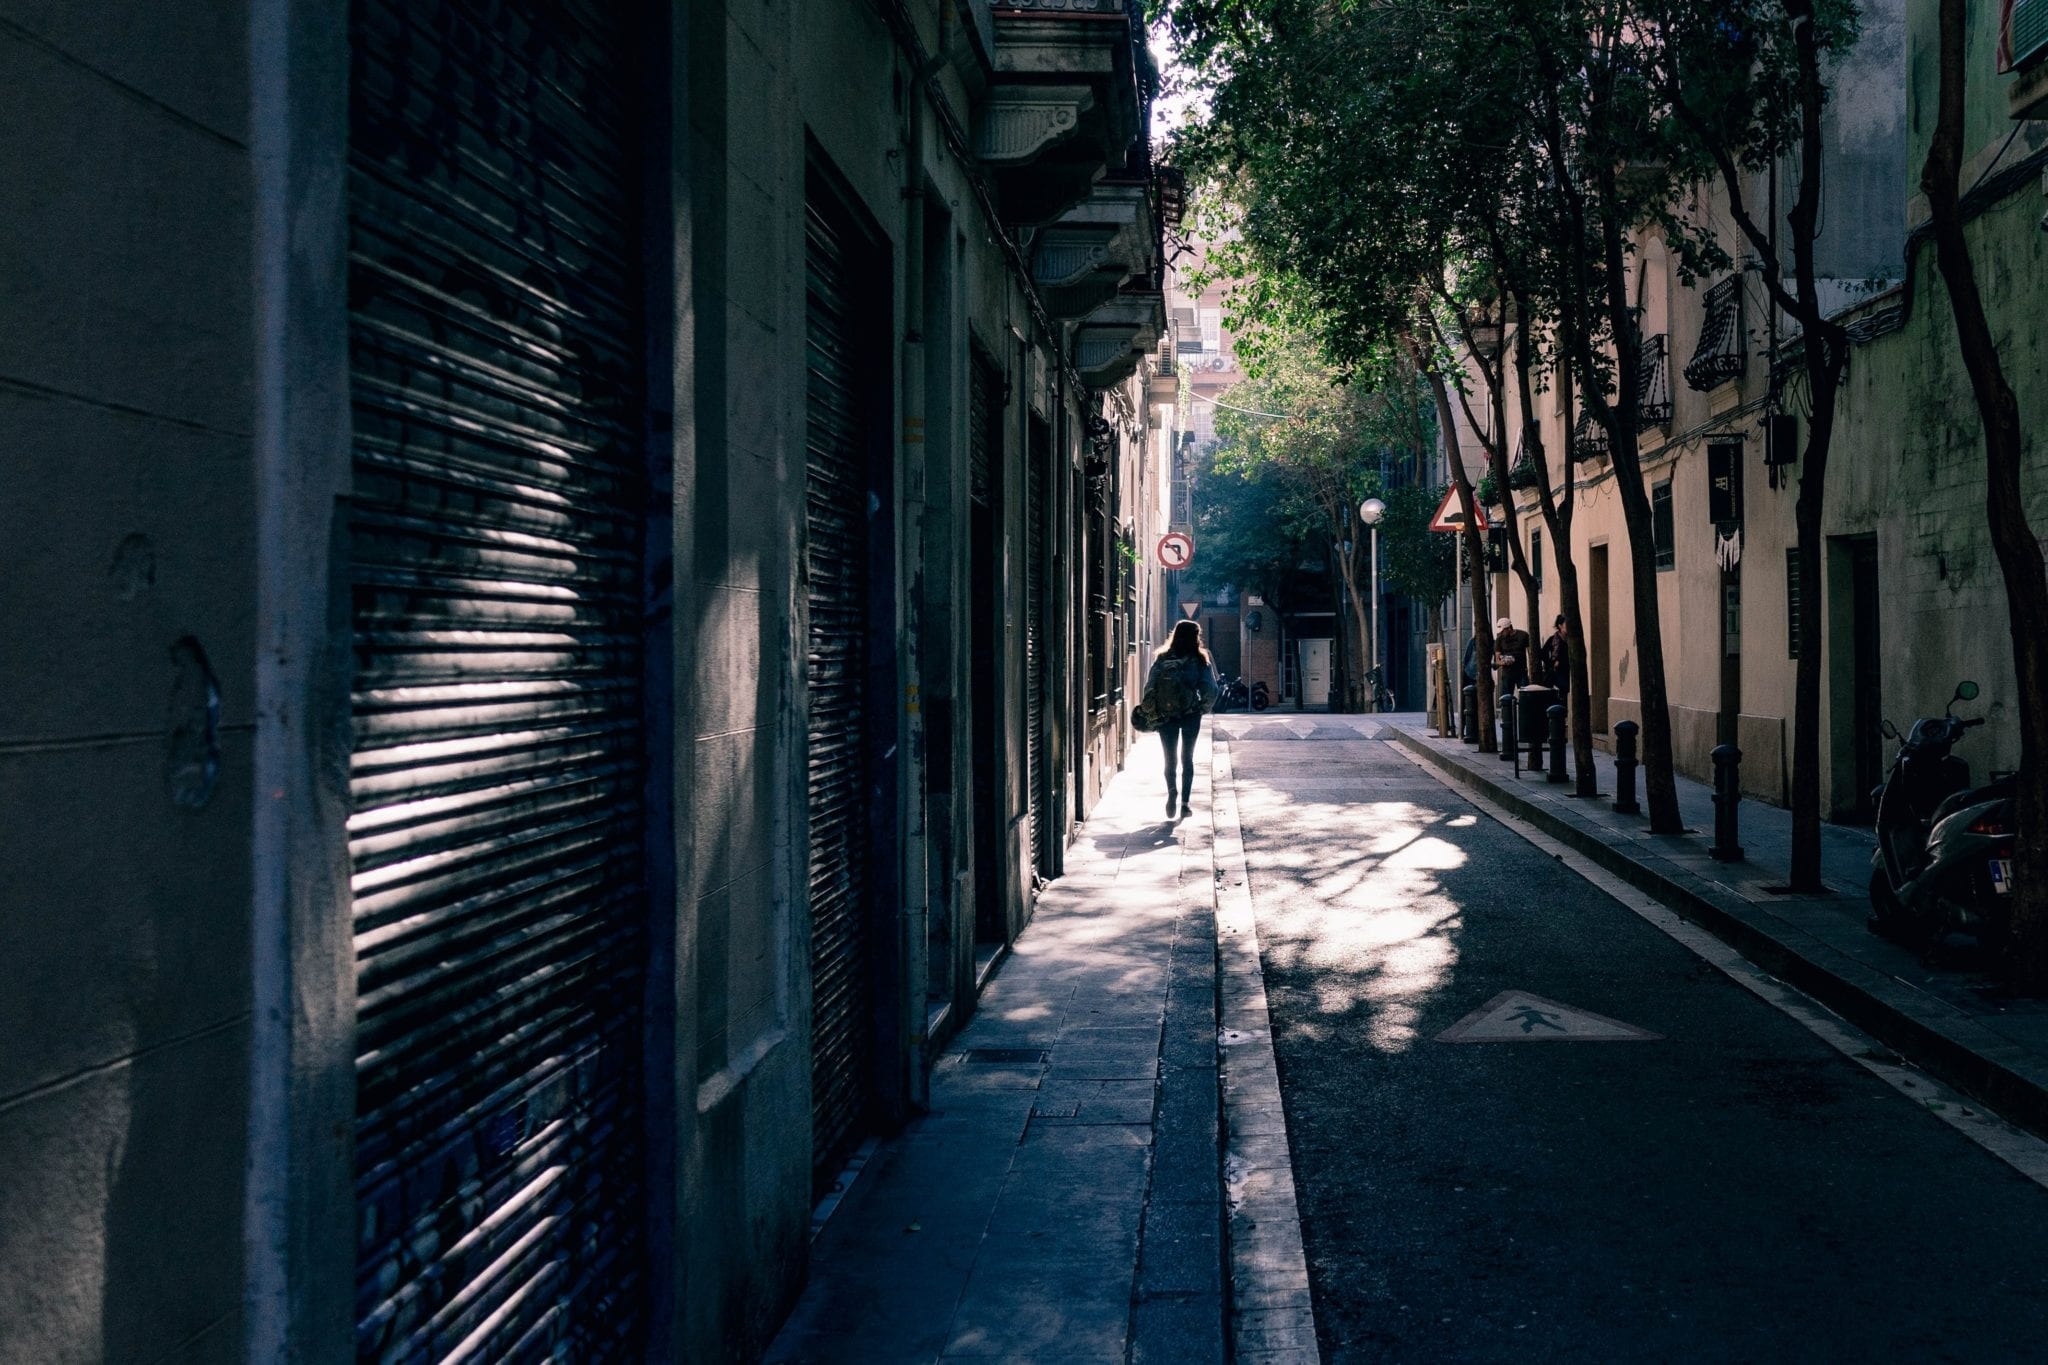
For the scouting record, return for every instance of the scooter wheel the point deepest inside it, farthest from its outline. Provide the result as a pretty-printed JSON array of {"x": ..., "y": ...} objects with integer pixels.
[
  {"x": 1888, "y": 917},
  {"x": 1260, "y": 703}
]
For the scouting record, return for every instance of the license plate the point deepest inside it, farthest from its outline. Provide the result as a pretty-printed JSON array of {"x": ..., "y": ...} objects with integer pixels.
[{"x": 2001, "y": 876}]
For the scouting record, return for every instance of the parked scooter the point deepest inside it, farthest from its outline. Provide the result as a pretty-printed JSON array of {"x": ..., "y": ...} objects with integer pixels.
[
  {"x": 1230, "y": 693},
  {"x": 1943, "y": 863},
  {"x": 1261, "y": 697}
]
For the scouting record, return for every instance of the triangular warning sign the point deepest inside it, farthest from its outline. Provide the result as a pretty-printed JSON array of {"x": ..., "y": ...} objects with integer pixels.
[
  {"x": 1450, "y": 513},
  {"x": 1519, "y": 1017}
]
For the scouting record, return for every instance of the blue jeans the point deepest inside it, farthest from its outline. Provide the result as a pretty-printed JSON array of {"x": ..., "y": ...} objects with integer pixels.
[{"x": 1180, "y": 734}]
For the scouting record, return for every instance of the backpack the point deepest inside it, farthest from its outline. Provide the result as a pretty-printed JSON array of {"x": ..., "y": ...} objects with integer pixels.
[{"x": 1174, "y": 695}]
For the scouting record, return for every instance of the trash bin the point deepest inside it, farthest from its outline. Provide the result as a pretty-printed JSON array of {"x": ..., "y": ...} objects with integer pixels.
[{"x": 1532, "y": 712}]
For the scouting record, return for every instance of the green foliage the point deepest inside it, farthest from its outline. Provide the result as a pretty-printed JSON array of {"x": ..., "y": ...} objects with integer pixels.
[
  {"x": 1414, "y": 560},
  {"x": 1280, "y": 490}
]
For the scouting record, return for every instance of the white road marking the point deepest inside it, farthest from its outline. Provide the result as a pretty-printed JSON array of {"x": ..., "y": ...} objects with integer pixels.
[
  {"x": 1519, "y": 1017},
  {"x": 2017, "y": 1148}
]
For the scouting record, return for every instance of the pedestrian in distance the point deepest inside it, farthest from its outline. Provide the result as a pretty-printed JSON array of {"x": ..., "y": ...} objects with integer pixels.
[
  {"x": 1180, "y": 687},
  {"x": 1557, "y": 658},
  {"x": 1510, "y": 657}
]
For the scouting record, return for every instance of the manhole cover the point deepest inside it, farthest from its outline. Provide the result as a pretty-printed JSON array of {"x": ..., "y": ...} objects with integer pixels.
[{"x": 1005, "y": 1056}]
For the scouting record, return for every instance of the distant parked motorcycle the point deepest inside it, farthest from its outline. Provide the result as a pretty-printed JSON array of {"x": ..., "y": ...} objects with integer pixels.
[
  {"x": 1943, "y": 863},
  {"x": 1261, "y": 697},
  {"x": 1230, "y": 693}
]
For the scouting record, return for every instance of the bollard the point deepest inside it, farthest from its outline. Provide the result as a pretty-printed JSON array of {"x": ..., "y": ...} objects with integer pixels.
[
  {"x": 1509, "y": 752},
  {"x": 1625, "y": 767},
  {"x": 1555, "y": 715},
  {"x": 1727, "y": 796},
  {"x": 1468, "y": 714}
]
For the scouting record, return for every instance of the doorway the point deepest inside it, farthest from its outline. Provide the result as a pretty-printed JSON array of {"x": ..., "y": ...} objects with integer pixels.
[
  {"x": 1596, "y": 640},
  {"x": 985, "y": 461},
  {"x": 1315, "y": 673},
  {"x": 1855, "y": 670}
]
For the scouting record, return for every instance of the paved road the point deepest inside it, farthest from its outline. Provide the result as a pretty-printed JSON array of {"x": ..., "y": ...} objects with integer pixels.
[{"x": 1733, "y": 1190}]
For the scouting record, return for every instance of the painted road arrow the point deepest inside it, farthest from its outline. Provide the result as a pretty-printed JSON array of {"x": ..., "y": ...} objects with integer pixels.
[{"x": 1519, "y": 1017}]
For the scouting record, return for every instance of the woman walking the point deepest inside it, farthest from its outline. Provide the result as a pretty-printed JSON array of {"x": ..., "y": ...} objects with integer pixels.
[{"x": 1181, "y": 686}]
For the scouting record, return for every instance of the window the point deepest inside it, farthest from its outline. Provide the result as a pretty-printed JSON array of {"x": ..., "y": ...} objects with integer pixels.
[
  {"x": 1792, "y": 603},
  {"x": 1536, "y": 558},
  {"x": 1660, "y": 525}
]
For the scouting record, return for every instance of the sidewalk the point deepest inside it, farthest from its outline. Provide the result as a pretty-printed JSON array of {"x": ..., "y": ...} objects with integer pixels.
[
  {"x": 1937, "y": 1017},
  {"x": 1062, "y": 1200}
]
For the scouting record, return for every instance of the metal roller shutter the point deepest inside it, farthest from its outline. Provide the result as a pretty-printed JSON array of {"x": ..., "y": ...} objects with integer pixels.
[
  {"x": 984, "y": 403},
  {"x": 1037, "y": 614},
  {"x": 496, "y": 833},
  {"x": 839, "y": 790}
]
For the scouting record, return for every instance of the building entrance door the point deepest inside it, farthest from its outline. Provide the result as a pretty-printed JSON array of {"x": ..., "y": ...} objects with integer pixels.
[
  {"x": 1315, "y": 672},
  {"x": 1596, "y": 641}
]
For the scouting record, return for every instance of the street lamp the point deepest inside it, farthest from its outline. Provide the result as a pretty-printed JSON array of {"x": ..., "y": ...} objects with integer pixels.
[{"x": 1370, "y": 511}]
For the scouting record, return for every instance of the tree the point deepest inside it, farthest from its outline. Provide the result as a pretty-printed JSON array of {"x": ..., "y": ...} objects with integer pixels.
[
  {"x": 1745, "y": 86},
  {"x": 1301, "y": 426},
  {"x": 2012, "y": 539}
]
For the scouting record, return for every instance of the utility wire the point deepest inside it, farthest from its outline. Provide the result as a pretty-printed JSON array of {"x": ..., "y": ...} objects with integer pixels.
[{"x": 1218, "y": 402}]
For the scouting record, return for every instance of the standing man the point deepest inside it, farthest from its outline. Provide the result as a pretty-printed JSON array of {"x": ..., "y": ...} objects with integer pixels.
[
  {"x": 1557, "y": 658},
  {"x": 1510, "y": 657}
]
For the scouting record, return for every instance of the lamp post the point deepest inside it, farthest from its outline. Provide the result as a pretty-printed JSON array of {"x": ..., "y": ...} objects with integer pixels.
[{"x": 1370, "y": 511}]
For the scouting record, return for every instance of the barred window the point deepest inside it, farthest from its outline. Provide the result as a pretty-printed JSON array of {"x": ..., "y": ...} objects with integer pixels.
[
  {"x": 1653, "y": 384},
  {"x": 1662, "y": 535}
]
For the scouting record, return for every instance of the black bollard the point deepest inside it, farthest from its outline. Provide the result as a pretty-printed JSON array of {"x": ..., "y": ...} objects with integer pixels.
[
  {"x": 1468, "y": 714},
  {"x": 1509, "y": 753},
  {"x": 1555, "y": 715},
  {"x": 1727, "y": 796},
  {"x": 1625, "y": 767}
]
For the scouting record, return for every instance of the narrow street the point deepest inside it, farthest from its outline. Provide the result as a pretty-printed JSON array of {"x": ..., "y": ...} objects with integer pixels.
[{"x": 1711, "y": 1181}]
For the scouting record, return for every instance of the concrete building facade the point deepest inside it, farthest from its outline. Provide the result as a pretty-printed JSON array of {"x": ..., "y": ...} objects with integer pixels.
[{"x": 575, "y": 569}]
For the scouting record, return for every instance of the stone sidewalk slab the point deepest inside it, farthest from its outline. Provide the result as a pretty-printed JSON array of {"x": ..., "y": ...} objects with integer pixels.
[
  {"x": 1063, "y": 1197},
  {"x": 1942, "y": 1019}
]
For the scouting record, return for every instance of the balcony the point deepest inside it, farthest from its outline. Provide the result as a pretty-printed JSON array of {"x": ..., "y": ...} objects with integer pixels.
[
  {"x": 1113, "y": 338},
  {"x": 1081, "y": 259},
  {"x": 1064, "y": 103}
]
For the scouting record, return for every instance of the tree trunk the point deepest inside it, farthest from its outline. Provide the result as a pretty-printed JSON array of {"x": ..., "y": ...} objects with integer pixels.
[
  {"x": 1660, "y": 785},
  {"x": 2019, "y": 553},
  {"x": 1475, "y": 555}
]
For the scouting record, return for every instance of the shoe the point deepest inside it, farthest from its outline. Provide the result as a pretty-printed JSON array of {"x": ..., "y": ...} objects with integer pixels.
[
  {"x": 1169, "y": 805},
  {"x": 1185, "y": 810}
]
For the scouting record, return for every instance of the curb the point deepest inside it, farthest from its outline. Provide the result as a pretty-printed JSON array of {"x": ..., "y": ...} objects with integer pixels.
[
  {"x": 1272, "y": 1311},
  {"x": 2009, "y": 1079},
  {"x": 1179, "y": 1299}
]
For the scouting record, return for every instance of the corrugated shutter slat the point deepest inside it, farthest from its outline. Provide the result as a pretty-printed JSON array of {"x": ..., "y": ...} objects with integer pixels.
[{"x": 497, "y": 774}]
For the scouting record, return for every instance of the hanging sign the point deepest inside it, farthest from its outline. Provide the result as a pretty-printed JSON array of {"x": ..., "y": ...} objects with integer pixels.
[
  {"x": 1450, "y": 514},
  {"x": 1176, "y": 549}
]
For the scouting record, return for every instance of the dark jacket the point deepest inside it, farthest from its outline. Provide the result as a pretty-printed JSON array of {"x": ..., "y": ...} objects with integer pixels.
[{"x": 1557, "y": 661}]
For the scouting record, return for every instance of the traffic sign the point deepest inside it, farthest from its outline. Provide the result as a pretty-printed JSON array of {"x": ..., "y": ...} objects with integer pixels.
[
  {"x": 1450, "y": 514},
  {"x": 1176, "y": 549},
  {"x": 1188, "y": 609},
  {"x": 1519, "y": 1017}
]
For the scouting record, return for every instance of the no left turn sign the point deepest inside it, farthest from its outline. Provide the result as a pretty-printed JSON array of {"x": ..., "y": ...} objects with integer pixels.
[{"x": 1176, "y": 550}]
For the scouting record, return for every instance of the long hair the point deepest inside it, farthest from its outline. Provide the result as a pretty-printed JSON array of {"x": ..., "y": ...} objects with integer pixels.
[{"x": 1184, "y": 643}]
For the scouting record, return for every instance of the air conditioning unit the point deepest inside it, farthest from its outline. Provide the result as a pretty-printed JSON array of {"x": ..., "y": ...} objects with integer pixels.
[{"x": 2027, "y": 32}]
